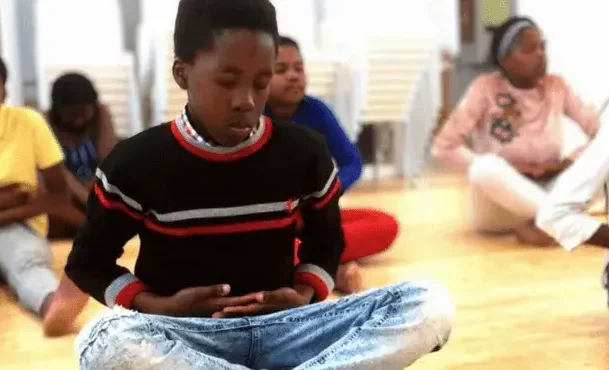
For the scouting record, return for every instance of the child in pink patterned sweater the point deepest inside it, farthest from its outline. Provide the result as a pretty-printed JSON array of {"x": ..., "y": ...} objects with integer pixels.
[{"x": 515, "y": 119}]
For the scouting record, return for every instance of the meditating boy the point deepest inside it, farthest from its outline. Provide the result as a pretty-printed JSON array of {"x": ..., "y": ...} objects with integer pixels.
[{"x": 214, "y": 196}]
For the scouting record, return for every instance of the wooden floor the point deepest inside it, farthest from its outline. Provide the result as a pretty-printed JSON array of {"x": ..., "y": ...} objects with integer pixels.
[{"x": 518, "y": 307}]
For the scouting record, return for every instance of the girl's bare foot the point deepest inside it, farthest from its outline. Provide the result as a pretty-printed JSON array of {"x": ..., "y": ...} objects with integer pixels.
[
  {"x": 61, "y": 308},
  {"x": 349, "y": 278},
  {"x": 531, "y": 234}
]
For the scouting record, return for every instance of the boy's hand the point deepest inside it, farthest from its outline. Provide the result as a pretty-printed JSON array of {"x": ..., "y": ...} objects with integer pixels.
[
  {"x": 191, "y": 302},
  {"x": 268, "y": 302}
]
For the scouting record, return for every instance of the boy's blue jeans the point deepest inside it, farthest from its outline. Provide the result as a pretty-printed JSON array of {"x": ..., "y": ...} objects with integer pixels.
[{"x": 387, "y": 328}]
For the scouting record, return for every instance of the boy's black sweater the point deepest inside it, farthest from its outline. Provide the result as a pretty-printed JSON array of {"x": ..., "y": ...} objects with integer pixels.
[{"x": 208, "y": 215}]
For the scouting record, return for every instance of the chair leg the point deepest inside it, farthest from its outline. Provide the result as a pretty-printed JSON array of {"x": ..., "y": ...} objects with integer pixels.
[
  {"x": 398, "y": 149},
  {"x": 375, "y": 155}
]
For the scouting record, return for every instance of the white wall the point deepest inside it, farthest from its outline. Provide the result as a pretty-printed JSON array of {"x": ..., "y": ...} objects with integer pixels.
[
  {"x": 482, "y": 37},
  {"x": 297, "y": 19},
  {"x": 576, "y": 35},
  {"x": 445, "y": 14},
  {"x": 25, "y": 36},
  {"x": 10, "y": 51},
  {"x": 344, "y": 23},
  {"x": 347, "y": 23}
]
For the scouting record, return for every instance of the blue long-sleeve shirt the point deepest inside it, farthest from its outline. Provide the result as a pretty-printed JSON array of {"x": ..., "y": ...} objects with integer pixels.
[{"x": 315, "y": 114}]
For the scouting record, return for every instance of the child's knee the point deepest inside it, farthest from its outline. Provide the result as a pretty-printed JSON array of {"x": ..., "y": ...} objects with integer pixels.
[
  {"x": 438, "y": 310},
  {"x": 435, "y": 310},
  {"x": 113, "y": 341},
  {"x": 30, "y": 262},
  {"x": 486, "y": 169}
]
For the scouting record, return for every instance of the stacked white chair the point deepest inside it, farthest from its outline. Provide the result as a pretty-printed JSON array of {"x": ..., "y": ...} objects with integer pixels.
[
  {"x": 321, "y": 78},
  {"x": 331, "y": 79},
  {"x": 398, "y": 93},
  {"x": 92, "y": 44}
]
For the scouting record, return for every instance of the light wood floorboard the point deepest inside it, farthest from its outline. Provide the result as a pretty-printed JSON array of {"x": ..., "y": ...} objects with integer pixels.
[{"x": 518, "y": 307}]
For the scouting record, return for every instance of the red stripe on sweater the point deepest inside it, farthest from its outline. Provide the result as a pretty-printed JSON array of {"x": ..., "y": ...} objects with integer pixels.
[
  {"x": 221, "y": 229},
  {"x": 112, "y": 204},
  {"x": 310, "y": 279},
  {"x": 125, "y": 297}
]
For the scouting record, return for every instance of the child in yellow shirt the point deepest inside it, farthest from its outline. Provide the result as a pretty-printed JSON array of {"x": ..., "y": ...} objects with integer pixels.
[{"x": 27, "y": 149}]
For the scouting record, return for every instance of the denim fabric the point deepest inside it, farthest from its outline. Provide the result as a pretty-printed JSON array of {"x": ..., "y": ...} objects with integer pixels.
[{"x": 387, "y": 328}]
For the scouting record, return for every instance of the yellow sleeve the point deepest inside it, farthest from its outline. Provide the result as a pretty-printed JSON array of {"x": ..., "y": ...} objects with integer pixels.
[{"x": 47, "y": 150}]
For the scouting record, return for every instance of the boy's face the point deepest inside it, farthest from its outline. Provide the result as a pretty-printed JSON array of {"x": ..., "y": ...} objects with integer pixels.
[
  {"x": 228, "y": 86},
  {"x": 289, "y": 82}
]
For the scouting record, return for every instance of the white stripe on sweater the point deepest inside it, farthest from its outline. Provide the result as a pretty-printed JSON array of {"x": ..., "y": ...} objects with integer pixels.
[{"x": 201, "y": 213}]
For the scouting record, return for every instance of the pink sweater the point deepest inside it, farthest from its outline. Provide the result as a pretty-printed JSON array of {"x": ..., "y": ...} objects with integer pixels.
[{"x": 528, "y": 130}]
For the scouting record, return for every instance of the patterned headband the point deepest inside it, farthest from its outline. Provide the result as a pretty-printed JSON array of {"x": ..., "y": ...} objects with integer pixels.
[{"x": 509, "y": 37}]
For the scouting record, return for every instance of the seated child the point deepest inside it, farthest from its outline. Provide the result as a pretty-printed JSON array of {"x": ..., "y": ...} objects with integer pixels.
[
  {"x": 367, "y": 231},
  {"x": 84, "y": 128},
  {"x": 214, "y": 196},
  {"x": 27, "y": 148}
]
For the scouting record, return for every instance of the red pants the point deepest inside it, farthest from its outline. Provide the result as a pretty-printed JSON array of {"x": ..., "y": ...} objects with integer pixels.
[{"x": 367, "y": 232}]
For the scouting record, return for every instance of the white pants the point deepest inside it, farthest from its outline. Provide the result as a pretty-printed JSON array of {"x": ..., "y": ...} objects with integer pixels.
[
  {"x": 502, "y": 198},
  {"x": 25, "y": 263}
]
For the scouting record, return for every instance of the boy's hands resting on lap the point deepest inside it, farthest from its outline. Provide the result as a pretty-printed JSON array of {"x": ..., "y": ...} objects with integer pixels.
[
  {"x": 191, "y": 302},
  {"x": 212, "y": 301},
  {"x": 269, "y": 302}
]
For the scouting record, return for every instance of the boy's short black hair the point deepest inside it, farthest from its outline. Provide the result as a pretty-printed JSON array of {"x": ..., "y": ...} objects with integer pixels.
[
  {"x": 3, "y": 72},
  {"x": 199, "y": 21},
  {"x": 288, "y": 41}
]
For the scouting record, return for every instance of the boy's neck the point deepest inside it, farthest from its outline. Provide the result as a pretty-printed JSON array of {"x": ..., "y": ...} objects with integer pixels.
[
  {"x": 202, "y": 132},
  {"x": 200, "y": 129}
]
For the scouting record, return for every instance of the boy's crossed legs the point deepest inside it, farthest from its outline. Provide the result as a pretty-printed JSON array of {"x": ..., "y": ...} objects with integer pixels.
[{"x": 387, "y": 328}]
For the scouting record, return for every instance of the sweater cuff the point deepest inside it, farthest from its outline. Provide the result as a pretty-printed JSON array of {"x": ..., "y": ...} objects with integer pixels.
[
  {"x": 123, "y": 290},
  {"x": 315, "y": 277}
]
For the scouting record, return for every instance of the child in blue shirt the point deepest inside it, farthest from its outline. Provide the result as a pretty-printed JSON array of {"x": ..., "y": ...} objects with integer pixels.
[{"x": 367, "y": 232}]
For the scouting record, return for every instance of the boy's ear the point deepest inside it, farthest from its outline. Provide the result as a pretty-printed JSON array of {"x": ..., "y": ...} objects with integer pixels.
[{"x": 179, "y": 73}]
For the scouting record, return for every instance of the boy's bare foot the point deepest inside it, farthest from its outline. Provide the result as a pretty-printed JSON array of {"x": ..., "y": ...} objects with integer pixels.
[
  {"x": 61, "y": 308},
  {"x": 349, "y": 278},
  {"x": 531, "y": 234}
]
